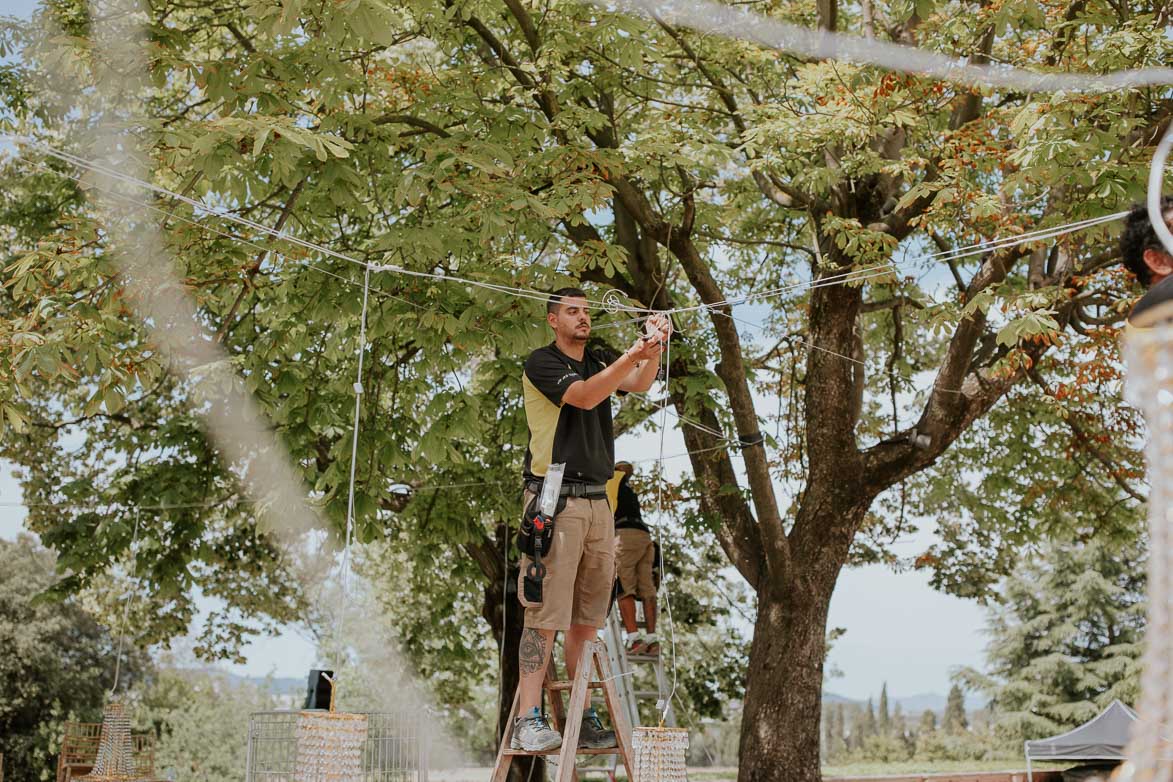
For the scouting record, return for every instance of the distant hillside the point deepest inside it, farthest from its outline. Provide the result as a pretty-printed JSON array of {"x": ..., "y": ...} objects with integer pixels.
[
  {"x": 912, "y": 705},
  {"x": 277, "y": 685},
  {"x": 283, "y": 685}
]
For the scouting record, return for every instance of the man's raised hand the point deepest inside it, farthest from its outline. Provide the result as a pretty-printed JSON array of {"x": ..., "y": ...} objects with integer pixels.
[
  {"x": 658, "y": 327},
  {"x": 645, "y": 349}
]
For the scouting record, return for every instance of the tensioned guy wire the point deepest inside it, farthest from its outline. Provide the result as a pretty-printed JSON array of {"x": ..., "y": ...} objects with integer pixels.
[
  {"x": 609, "y": 303},
  {"x": 888, "y": 268},
  {"x": 527, "y": 293},
  {"x": 664, "y": 576},
  {"x": 170, "y": 215}
]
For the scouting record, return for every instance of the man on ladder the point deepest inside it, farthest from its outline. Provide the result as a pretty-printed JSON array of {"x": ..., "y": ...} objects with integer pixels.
[
  {"x": 636, "y": 557},
  {"x": 567, "y": 391}
]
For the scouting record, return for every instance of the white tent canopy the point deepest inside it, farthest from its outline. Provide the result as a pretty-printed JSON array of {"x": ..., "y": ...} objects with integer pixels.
[{"x": 1102, "y": 738}]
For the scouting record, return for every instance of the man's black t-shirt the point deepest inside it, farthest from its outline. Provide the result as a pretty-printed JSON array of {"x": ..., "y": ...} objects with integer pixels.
[
  {"x": 560, "y": 433},
  {"x": 627, "y": 512},
  {"x": 1147, "y": 310}
]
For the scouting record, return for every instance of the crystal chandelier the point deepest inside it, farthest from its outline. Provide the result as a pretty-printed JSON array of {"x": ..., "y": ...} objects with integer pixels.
[{"x": 660, "y": 754}]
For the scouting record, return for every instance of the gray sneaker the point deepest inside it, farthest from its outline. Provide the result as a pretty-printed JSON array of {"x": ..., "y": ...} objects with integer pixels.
[
  {"x": 532, "y": 733},
  {"x": 592, "y": 735}
]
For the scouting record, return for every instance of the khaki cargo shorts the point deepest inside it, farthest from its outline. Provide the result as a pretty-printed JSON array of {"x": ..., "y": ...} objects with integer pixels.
[
  {"x": 635, "y": 558},
  {"x": 580, "y": 568}
]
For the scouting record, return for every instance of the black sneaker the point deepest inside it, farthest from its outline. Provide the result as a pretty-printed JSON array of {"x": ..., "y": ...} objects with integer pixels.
[{"x": 592, "y": 735}]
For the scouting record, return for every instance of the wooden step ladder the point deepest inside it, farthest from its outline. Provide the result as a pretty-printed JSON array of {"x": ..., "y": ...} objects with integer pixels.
[{"x": 593, "y": 661}]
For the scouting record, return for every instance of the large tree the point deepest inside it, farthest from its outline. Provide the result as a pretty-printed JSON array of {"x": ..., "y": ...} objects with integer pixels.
[
  {"x": 531, "y": 143},
  {"x": 58, "y": 661}
]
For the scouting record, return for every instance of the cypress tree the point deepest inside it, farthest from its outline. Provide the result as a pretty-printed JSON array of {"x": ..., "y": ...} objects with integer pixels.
[
  {"x": 898, "y": 726},
  {"x": 954, "y": 720},
  {"x": 867, "y": 722}
]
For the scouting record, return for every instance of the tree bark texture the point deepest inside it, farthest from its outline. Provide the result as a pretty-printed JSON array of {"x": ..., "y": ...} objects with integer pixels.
[{"x": 783, "y": 700}]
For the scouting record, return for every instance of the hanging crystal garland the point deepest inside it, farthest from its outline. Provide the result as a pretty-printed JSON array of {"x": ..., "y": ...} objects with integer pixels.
[
  {"x": 1148, "y": 351},
  {"x": 115, "y": 762},
  {"x": 330, "y": 745},
  {"x": 660, "y": 754}
]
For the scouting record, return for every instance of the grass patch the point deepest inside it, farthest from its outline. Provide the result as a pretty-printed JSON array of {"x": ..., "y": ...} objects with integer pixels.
[
  {"x": 932, "y": 766},
  {"x": 876, "y": 769}
]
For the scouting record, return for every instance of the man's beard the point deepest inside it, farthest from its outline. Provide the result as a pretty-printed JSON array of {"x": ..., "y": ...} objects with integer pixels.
[{"x": 580, "y": 333}]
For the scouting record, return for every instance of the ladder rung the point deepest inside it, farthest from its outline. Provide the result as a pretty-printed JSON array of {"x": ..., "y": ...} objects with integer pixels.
[
  {"x": 558, "y": 750},
  {"x": 564, "y": 685},
  {"x": 643, "y": 658},
  {"x": 647, "y": 694}
]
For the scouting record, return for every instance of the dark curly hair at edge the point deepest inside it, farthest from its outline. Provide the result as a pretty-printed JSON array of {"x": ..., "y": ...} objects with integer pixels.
[{"x": 1139, "y": 236}]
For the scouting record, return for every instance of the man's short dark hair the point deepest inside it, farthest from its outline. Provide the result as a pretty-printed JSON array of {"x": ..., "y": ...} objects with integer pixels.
[
  {"x": 1139, "y": 236},
  {"x": 563, "y": 293}
]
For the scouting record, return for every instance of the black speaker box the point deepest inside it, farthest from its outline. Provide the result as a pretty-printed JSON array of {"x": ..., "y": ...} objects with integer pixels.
[{"x": 317, "y": 692}]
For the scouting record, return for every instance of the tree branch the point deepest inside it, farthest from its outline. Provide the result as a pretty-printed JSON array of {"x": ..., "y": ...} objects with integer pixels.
[
  {"x": 731, "y": 369},
  {"x": 286, "y": 211},
  {"x": 415, "y": 122},
  {"x": 828, "y": 11},
  {"x": 1086, "y": 442}
]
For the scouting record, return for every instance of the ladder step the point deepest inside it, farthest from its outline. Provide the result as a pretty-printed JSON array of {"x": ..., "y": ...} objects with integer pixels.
[
  {"x": 558, "y": 750},
  {"x": 647, "y": 694},
  {"x": 564, "y": 685},
  {"x": 643, "y": 658}
]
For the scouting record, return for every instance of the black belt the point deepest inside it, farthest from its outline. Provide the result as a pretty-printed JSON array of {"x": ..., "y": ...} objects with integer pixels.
[{"x": 589, "y": 491}]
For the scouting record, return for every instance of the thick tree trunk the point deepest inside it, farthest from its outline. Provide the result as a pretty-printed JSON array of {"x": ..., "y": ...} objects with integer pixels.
[
  {"x": 780, "y": 730},
  {"x": 503, "y": 612},
  {"x": 783, "y": 697}
]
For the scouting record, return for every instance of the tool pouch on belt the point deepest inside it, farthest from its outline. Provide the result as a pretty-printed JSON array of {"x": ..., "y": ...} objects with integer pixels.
[
  {"x": 535, "y": 538},
  {"x": 531, "y": 586},
  {"x": 536, "y": 535},
  {"x": 537, "y": 530}
]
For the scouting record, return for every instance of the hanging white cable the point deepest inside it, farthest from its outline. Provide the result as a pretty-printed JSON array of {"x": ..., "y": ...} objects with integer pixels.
[
  {"x": 126, "y": 601},
  {"x": 664, "y": 578},
  {"x": 525, "y": 293},
  {"x": 358, "y": 394},
  {"x": 121, "y": 197},
  {"x": 688, "y": 421},
  {"x": 853, "y": 275},
  {"x": 1156, "y": 180},
  {"x": 92, "y": 505},
  {"x": 888, "y": 268}
]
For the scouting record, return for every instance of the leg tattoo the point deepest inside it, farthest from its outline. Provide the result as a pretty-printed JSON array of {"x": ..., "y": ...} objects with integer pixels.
[{"x": 531, "y": 653}]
